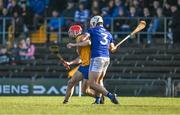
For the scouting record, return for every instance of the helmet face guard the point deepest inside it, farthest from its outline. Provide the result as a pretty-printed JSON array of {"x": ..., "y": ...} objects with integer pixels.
[{"x": 74, "y": 31}]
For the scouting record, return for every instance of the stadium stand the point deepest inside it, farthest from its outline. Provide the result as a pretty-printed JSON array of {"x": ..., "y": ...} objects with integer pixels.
[
  {"x": 134, "y": 70},
  {"x": 132, "y": 67}
]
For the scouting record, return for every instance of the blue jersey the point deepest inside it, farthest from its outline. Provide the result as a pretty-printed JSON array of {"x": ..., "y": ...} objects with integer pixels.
[{"x": 100, "y": 41}]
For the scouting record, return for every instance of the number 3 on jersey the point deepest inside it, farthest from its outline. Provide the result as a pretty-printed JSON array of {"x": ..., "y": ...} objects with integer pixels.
[{"x": 105, "y": 40}]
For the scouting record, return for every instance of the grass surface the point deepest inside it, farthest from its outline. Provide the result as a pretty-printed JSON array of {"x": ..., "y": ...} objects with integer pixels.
[{"x": 83, "y": 106}]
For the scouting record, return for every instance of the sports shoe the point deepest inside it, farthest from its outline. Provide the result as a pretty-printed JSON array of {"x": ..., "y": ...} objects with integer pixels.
[
  {"x": 65, "y": 102},
  {"x": 114, "y": 99}
]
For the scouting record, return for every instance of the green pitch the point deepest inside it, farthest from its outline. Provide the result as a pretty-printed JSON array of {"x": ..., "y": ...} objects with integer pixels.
[{"x": 83, "y": 106}]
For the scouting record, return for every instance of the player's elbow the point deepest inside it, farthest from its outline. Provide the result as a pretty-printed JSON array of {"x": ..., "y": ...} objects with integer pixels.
[{"x": 88, "y": 42}]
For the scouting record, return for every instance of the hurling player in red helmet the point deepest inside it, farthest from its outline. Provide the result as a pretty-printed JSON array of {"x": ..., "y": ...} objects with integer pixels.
[{"x": 81, "y": 74}]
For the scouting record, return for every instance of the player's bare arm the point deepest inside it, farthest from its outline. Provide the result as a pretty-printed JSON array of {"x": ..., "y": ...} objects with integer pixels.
[
  {"x": 75, "y": 61},
  {"x": 84, "y": 42}
]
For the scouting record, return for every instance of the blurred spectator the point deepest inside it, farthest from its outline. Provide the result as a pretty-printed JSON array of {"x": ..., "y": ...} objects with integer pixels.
[
  {"x": 137, "y": 7},
  {"x": 9, "y": 4},
  {"x": 13, "y": 8},
  {"x": 119, "y": 6},
  {"x": 46, "y": 10},
  {"x": 38, "y": 7},
  {"x": 1, "y": 20},
  {"x": 26, "y": 14},
  {"x": 132, "y": 12},
  {"x": 69, "y": 13},
  {"x": 82, "y": 14},
  {"x": 129, "y": 25},
  {"x": 121, "y": 24},
  {"x": 5, "y": 13},
  {"x": 31, "y": 49},
  {"x": 175, "y": 23},
  {"x": 157, "y": 24},
  {"x": 22, "y": 51},
  {"x": 5, "y": 57},
  {"x": 58, "y": 5},
  {"x": 5, "y": 17},
  {"x": 147, "y": 18},
  {"x": 106, "y": 18},
  {"x": 124, "y": 25},
  {"x": 70, "y": 9},
  {"x": 132, "y": 22},
  {"x": 103, "y": 3},
  {"x": 32, "y": 12},
  {"x": 18, "y": 26},
  {"x": 1, "y": 7},
  {"x": 95, "y": 8},
  {"x": 110, "y": 8},
  {"x": 95, "y": 12},
  {"x": 54, "y": 24},
  {"x": 23, "y": 1},
  {"x": 95, "y": 5},
  {"x": 14, "y": 51},
  {"x": 167, "y": 13},
  {"x": 156, "y": 5},
  {"x": 167, "y": 10}
]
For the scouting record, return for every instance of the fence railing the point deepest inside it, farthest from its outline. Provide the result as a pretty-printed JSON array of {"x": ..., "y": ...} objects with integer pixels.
[
  {"x": 6, "y": 23},
  {"x": 119, "y": 27}
]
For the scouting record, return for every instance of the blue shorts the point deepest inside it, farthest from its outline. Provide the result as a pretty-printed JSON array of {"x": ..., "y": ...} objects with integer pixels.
[{"x": 84, "y": 70}]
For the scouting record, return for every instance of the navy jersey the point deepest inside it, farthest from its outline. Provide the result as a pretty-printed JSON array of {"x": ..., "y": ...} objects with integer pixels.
[{"x": 100, "y": 41}]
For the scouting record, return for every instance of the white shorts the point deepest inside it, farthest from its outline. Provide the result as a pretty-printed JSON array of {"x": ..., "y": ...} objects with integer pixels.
[{"x": 99, "y": 64}]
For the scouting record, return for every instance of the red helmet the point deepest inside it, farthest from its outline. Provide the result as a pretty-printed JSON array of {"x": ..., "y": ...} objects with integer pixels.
[{"x": 75, "y": 30}]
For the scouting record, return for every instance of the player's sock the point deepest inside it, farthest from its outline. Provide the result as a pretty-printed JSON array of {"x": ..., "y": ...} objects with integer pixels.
[
  {"x": 98, "y": 99},
  {"x": 113, "y": 98},
  {"x": 102, "y": 100},
  {"x": 109, "y": 95}
]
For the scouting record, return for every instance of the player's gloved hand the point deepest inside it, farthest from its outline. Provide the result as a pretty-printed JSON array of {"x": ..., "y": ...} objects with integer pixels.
[
  {"x": 70, "y": 45},
  {"x": 66, "y": 65}
]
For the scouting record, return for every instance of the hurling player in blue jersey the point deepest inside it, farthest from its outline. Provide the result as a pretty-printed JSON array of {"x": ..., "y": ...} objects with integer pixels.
[{"x": 101, "y": 42}]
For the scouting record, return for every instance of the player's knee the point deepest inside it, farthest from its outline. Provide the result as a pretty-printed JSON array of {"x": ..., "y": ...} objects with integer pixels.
[
  {"x": 101, "y": 81},
  {"x": 71, "y": 83},
  {"x": 90, "y": 82},
  {"x": 85, "y": 91}
]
